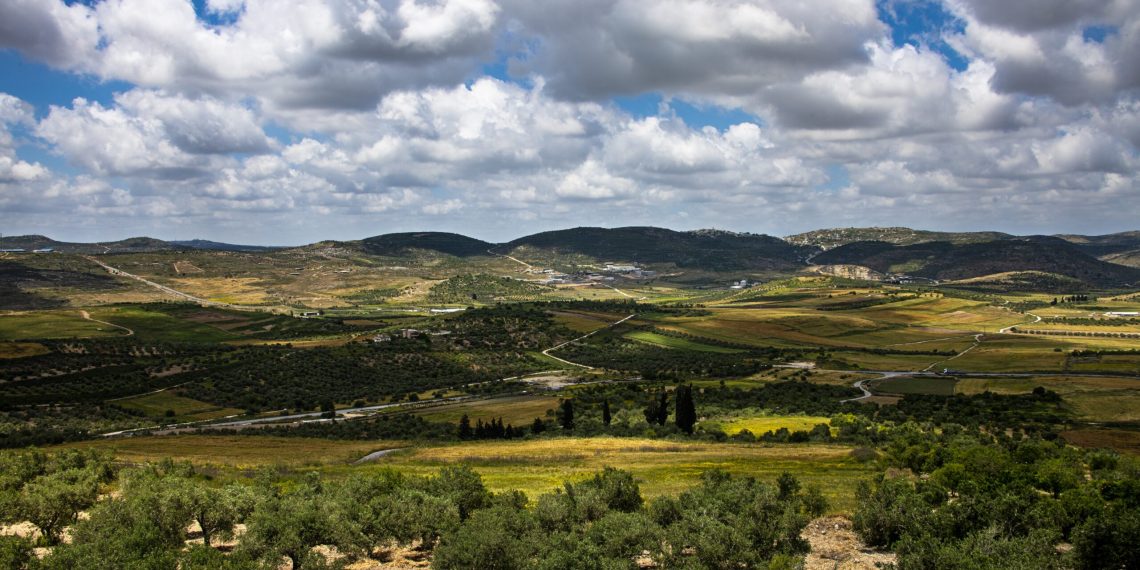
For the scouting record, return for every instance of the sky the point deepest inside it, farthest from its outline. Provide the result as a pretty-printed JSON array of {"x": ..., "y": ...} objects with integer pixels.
[{"x": 285, "y": 122}]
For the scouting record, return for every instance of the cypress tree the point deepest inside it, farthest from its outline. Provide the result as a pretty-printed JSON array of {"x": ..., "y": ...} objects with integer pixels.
[
  {"x": 606, "y": 412},
  {"x": 686, "y": 409},
  {"x": 538, "y": 426},
  {"x": 567, "y": 415},
  {"x": 464, "y": 427},
  {"x": 663, "y": 408}
]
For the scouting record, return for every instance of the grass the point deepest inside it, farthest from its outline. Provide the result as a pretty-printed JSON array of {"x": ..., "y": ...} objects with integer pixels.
[
  {"x": 1120, "y": 440},
  {"x": 153, "y": 325},
  {"x": 678, "y": 343},
  {"x": 51, "y": 325},
  {"x": 185, "y": 409},
  {"x": 584, "y": 322},
  {"x": 518, "y": 410},
  {"x": 532, "y": 466},
  {"x": 661, "y": 467},
  {"x": 1102, "y": 399},
  {"x": 919, "y": 385},
  {"x": 21, "y": 349},
  {"x": 761, "y": 425},
  {"x": 237, "y": 451}
]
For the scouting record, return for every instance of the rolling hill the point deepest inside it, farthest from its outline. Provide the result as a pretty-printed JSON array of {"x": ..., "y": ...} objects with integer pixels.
[
  {"x": 1121, "y": 248},
  {"x": 401, "y": 244},
  {"x": 706, "y": 249},
  {"x": 943, "y": 260},
  {"x": 129, "y": 245},
  {"x": 836, "y": 237}
]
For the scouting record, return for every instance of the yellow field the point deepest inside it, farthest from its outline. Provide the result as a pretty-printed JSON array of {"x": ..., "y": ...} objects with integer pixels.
[
  {"x": 532, "y": 466},
  {"x": 761, "y": 425},
  {"x": 661, "y": 467}
]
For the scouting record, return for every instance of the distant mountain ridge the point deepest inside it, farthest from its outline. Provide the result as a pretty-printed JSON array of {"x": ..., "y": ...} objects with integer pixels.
[
  {"x": 129, "y": 245},
  {"x": 859, "y": 251}
]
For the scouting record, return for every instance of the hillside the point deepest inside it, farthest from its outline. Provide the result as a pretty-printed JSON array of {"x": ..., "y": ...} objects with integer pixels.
[
  {"x": 1121, "y": 248},
  {"x": 129, "y": 245},
  {"x": 219, "y": 246},
  {"x": 948, "y": 261},
  {"x": 705, "y": 249},
  {"x": 836, "y": 237},
  {"x": 399, "y": 244}
]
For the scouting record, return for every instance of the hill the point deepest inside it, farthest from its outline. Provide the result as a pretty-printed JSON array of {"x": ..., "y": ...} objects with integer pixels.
[
  {"x": 949, "y": 261},
  {"x": 835, "y": 237},
  {"x": 129, "y": 245},
  {"x": 1121, "y": 248},
  {"x": 219, "y": 246},
  {"x": 705, "y": 249},
  {"x": 400, "y": 244}
]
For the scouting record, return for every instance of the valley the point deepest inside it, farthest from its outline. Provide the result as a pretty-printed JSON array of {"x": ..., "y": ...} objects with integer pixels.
[{"x": 687, "y": 361}]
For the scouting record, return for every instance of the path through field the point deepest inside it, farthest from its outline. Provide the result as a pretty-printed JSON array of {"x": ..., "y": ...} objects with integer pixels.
[
  {"x": 175, "y": 292},
  {"x": 87, "y": 316},
  {"x": 611, "y": 325}
]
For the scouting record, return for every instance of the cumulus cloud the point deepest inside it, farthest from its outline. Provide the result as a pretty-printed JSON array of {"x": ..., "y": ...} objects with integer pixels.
[
  {"x": 1041, "y": 48},
  {"x": 151, "y": 132},
  {"x": 381, "y": 110},
  {"x": 597, "y": 48}
]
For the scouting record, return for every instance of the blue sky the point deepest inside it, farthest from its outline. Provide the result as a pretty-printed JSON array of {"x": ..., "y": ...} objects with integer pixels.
[{"x": 265, "y": 121}]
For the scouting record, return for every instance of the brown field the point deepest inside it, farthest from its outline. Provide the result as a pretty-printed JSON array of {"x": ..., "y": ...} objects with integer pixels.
[
  {"x": 1120, "y": 440},
  {"x": 518, "y": 410}
]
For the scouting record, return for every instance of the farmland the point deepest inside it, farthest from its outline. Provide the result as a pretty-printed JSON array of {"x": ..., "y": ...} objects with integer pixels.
[{"x": 323, "y": 356}]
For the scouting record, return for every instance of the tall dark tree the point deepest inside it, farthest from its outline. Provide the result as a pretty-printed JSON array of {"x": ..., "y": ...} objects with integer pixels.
[
  {"x": 606, "y": 412},
  {"x": 566, "y": 416},
  {"x": 464, "y": 427},
  {"x": 686, "y": 416},
  {"x": 663, "y": 408}
]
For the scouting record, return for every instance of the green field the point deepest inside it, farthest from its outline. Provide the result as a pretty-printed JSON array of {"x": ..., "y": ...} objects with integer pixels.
[
  {"x": 661, "y": 467},
  {"x": 678, "y": 343},
  {"x": 532, "y": 466},
  {"x": 52, "y": 324},
  {"x": 156, "y": 326},
  {"x": 185, "y": 409}
]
